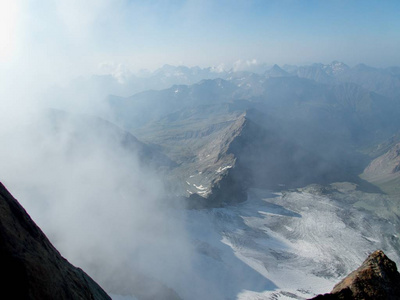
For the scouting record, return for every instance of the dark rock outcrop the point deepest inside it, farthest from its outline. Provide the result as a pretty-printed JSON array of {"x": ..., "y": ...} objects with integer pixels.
[
  {"x": 377, "y": 278},
  {"x": 31, "y": 268}
]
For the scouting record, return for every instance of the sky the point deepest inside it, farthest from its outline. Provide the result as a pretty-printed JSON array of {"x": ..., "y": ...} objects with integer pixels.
[
  {"x": 51, "y": 42},
  {"x": 77, "y": 36}
]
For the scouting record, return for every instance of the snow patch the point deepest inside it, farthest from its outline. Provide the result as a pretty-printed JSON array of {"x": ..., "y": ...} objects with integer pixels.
[
  {"x": 289, "y": 228},
  {"x": 221, "y": 169},
  {"x": 371, "y": 239},
  {"x": 200, "y": 187},
  {"x": 274, "y": 246},
  {"x": 202, "y": 193}
]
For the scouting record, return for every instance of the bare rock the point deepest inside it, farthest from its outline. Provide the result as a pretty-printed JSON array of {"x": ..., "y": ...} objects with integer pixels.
[
  {"x": 31, "y": 267},
  {"x": 377, "y": 278}
]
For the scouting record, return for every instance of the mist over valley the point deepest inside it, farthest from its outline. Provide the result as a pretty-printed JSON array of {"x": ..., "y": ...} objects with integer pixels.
[{"x": 170, "y": 166}]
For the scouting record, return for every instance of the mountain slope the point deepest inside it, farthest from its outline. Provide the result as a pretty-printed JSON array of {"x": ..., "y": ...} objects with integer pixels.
[
  {"x": 287, "y": 130},
  {"x": 200, "y": 148},
  {"x": 221, "y": 151},
  {"x": 31, "y": 267},
  {"x": 142, "y": 108},
  {"x": 384, "y": 171},
  {"x": 377, "y": 278},
  {"x": 382, "y": 81},
  {"x": 78, "y": 131},
  {"x": 320, "y": 125}
]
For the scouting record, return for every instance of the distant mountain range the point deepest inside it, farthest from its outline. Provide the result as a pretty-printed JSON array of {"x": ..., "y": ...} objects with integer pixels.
[
  {"x": 313, "y": 149},
  {"x": 283, "y": 128},
  {"x": 309, "y": 124}
]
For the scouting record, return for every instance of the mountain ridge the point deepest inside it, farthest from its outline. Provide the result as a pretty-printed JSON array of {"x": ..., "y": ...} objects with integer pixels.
[{"x": 303, "y": 112}]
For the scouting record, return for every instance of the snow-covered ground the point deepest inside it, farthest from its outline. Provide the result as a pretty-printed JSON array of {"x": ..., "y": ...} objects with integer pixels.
[{"x": 277, "y": 246}]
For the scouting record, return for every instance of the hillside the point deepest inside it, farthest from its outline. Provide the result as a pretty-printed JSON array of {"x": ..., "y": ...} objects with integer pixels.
[{"x": 384, "y": 171}]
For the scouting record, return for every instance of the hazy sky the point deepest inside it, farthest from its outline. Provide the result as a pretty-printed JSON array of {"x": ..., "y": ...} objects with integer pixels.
[
  {"x": 68, "y": 189},
  {"x": 74, "y": 36}
]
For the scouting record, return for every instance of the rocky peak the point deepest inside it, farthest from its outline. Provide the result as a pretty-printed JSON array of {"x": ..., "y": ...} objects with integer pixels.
[
  {"x": 377, "y": 278},
  {"x": 335, "y": 68},
  {"x": 276, "y": 71}
]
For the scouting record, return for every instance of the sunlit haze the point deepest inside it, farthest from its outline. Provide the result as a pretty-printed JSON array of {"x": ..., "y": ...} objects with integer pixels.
[{"x": 75, "y": 37}]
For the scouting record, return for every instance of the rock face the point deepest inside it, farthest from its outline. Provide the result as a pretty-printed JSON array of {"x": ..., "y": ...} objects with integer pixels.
[
  {"x": 386, "y": 165},
  {"x": 31, "y": 268},
  {"x": 384, "y": 171},
  {"x": 218, "y": 159},
  {"x": 376, "y": 278}
]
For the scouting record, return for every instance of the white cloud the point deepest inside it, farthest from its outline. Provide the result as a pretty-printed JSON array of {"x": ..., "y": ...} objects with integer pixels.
[{"x": 9, "y": 13}]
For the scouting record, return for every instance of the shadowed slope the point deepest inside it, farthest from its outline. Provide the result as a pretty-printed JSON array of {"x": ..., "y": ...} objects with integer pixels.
[{"x": 31, "y": 267}]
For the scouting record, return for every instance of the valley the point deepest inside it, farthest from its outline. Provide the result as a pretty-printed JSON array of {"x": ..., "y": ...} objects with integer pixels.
[{"x": 269, "y": 185}]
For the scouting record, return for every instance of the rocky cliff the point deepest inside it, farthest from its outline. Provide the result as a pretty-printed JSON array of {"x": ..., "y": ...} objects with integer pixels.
[
  {"x": 31, "y": 268},
  {"x": 377, "y": 278}
]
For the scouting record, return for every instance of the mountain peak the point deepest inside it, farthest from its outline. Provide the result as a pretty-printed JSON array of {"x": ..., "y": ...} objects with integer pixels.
[
  {"x": 335, "y": 68},
  {"x": 376, "y": 278},
  {"x": 276, "y": 71}
]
